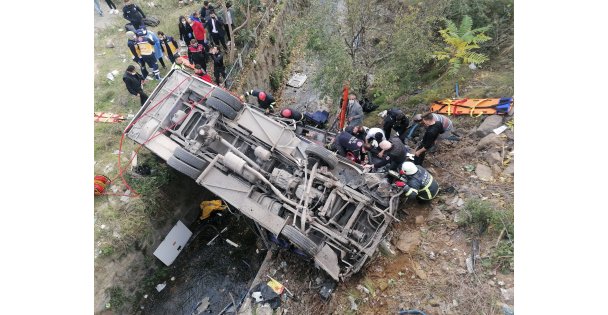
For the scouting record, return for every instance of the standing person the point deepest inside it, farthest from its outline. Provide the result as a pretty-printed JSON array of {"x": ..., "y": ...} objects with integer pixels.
[
  {"x": 169, "y": 45},
  {"x": 98, "y": 8},
  {"x": 132, "y": 44},
  {"x": 206, "y": 10},
  {"x": 417, "y": 182},
  {"x": 158, "y": 50},
  {"x": 396, "y": 120},
  {"x": 144, "y": 48},
  {"x": 112, "y": 7},
  {"x": 354, "y": 111},
  {"x": 215, "y": 26},
  {"x": 265, "y": 101},
  {"x": 218, "y": 65},
  {"x": 196, "y": 17},
  {"x": 196, "y": 54},
  {"x": 198, "y": 29},
  {"x": 135, "y": 82},
  {"x": 132, "y": 13},
  {"x": 228, "y": 22},
  {"x": 185, "y": 30}
]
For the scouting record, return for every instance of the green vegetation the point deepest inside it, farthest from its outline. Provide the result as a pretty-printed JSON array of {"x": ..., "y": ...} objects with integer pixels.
[
  {"x": 461, "y": 41},
  {"x": 481, "y": 216},
  {"x": 118, "y": 299}
]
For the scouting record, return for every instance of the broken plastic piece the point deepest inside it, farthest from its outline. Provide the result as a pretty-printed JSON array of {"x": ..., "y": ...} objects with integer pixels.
[{"x": 232, "y": 243}]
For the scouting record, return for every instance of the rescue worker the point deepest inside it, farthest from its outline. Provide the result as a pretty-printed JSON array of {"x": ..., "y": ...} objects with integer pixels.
[
  {"x": 354, "y": 111},
  {"x": 131, "y": 43},
  {"x": 196, "y": 54},
  {"x": 290, "y": 113},
  {"x": 417, "y": 182},
  {"x": 395, "y": 119},
  {"x": 393, "y": 152},
  {"x": 144, "y": 49},
  {"x": 265, "y": 101},
  {"x": 434, "y": 128},
  {"x": 374, "y": 136},
  {"x": 169, "y": 46},
  {"x": 348, "y": 146}
]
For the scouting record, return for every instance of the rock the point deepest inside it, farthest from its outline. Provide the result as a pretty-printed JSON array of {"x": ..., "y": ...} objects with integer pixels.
[
  {"x": 433, "y": 303},
  {"x": 490, "y": 140},
  {"x": 509, "y": 134},
  {"x": 386, "y": 249},
  {"x": 263, "y": 309},
  {"x": 466, "y": 151},
  {"x": 483, "y": 172},
  {"x": 493, "y": 158},
  {"x": 408, "y": 241},
  {"x": 419, "y": 220},
  {"x": 491, "y": 283},
  {"x": 382, "y": 284},
  {"x": 109, "y": 44},
  {"x": 496, "y": 169},
  {"x": 489, "y": 124},
  {"x": 469, "y": 263},
  {"x": 419, "y": 272},
  {"x": 435, "y": 215},
  {"x": 507, "y": 294},
  {"x": 460, "y": 202},
  {"x": 510, "y": 170}
]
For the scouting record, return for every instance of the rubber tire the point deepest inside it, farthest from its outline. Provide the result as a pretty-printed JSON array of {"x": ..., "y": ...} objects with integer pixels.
[
  {"x": 227, "y": 98},
  {"x": 323, "y": 154},
  {"x": 300, "y": 240},
  {"x": 184, "y": 168},
  {"x": 190, "y": 158},
  {"x": 221, "y": 107}
]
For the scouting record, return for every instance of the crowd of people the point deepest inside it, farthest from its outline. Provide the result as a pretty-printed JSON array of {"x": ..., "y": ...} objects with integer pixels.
[{"x": 202, "y": 34}]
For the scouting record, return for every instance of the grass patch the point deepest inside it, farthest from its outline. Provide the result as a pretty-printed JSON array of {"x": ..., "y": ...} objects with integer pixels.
[
  {"x": 118, "y": 299},
  {"x": 480, "y": 216}
]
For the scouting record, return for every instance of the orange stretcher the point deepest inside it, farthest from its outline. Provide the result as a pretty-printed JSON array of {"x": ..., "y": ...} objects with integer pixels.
[
  {"x": 473, "y": 106},
  {"x": 108, "y": 117}
]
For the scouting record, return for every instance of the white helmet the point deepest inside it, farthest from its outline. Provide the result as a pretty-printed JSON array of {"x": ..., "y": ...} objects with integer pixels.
[{"x": 409, "y": 168}]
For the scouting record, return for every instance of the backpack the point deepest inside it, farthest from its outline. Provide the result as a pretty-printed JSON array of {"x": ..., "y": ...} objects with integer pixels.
[
  {"x": 151, "y": 21},
  {"x": 368, "y": 106}
]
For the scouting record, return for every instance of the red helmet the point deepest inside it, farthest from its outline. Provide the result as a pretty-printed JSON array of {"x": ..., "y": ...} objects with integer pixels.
[
  {"x": 286, "y": 112},
  {"x": 262, "y": 96}
]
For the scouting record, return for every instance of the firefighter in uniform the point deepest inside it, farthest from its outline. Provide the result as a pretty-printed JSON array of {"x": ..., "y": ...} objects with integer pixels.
[
  {"x": 265, "y": 100},
  {"x": 417, "y": 182}
]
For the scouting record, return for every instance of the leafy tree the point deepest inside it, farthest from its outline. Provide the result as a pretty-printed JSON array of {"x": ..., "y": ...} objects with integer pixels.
[{"x": 460, "y": 43}]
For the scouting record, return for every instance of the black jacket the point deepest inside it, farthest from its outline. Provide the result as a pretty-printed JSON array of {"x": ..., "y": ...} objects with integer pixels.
[
  {"x": 218, "y": 61},
  {"x": 205, "y": 12},
  {"x": 396, "y": 155},
  {"x": 133, "y": 82},
  {"x": 345, "y": 142},
  {"x": 219, "y": 26},
  {"x": 421, "y": 184},
  {"x": 133, "y": 14},
  {"x": 395, "y": 119},
  {"x": 431, "y": 134},
  {"x": 185, "y": 31}
]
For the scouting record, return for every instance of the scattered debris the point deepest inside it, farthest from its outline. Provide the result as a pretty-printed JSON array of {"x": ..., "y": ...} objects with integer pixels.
[
  {"x": 500, "y": 129},
  {"x": 297, "y": 80},
  {"x": 362, "y": 289},
  {"x": 469, "y": 263},
  {"x": 161, "y": 286},
  {"x": 232, "y": 243},
  {"x": 327, "y": 289},
  {"x": 201, "y": 306},
  {"x": 353, "y": 305},
  {"x": 469, "y": 168},
  {"x": 386, "y": 248}
]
